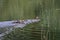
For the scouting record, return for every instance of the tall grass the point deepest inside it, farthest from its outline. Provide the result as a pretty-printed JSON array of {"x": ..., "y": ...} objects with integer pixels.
[{"x": 24, "y": 9}]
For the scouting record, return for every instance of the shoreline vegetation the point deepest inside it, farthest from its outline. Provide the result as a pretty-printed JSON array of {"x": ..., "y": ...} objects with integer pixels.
[{"x": 47, "y": 10}]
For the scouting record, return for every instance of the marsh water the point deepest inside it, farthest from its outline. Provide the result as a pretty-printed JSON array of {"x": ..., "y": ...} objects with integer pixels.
[{"x": 47, "y": 10}]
